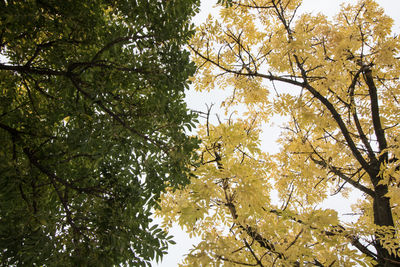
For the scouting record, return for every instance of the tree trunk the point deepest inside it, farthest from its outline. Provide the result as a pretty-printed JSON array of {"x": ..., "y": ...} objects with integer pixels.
[{"x": 383, "y": 217}]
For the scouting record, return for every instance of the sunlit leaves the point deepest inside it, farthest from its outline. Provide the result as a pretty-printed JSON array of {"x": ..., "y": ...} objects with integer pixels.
[{"x": 336, "y": 84}]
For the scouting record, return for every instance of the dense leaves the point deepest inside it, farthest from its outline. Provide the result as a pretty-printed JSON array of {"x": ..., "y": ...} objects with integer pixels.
[
  {"x": 92, "y": 128},
  {"x": 336, "y": 83}
]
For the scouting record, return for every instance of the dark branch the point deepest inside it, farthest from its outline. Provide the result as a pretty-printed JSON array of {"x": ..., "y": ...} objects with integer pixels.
[
  {"x": 340, "y": 174},
  {"x": 379, "y": 132},
  {"x": 28, "y": 69},
  {"x": 355, "y": 117},
  {"x": 336, "y": 116}
]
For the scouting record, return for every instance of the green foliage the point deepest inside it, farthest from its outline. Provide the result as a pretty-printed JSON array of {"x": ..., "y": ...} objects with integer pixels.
[
  {"x": 226, "y": 3},
  {"x": 92, "y": 128}
]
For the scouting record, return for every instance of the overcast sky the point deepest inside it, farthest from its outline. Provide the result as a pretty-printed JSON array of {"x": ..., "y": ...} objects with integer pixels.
[{"x": 198, "y": 101}]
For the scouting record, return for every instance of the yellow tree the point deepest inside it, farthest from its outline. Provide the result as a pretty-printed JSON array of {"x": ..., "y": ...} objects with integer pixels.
[{"x": 340, "y": 92}]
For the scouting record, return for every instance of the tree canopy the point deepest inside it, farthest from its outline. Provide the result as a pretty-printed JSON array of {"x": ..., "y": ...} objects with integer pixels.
[
  {"x": 336, "y": 81},
  {"x": 92, "y": 128}
]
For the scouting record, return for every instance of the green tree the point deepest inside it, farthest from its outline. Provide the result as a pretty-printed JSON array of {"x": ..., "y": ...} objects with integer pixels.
[{"x": 92, "y": 128}]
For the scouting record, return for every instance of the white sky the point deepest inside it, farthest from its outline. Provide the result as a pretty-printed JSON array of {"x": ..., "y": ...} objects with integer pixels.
[{"x": 198, "y": 101}]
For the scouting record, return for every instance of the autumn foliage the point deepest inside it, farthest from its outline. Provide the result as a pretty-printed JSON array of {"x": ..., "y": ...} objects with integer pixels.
[{"x": 336, "y": 83}]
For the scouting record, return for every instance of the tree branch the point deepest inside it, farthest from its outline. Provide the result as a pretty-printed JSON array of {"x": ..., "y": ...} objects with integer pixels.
[
  {"x": 115, "y": 116},
  {"x": 116, "y": 41},
  {"x": 235, "y": 262},
  {"x": 336, "y": 116},
  {"x": 250, "y": 74},
  {"x": 363, "y": 137},
  {"x": 379, "y": 132},
  {"x": 338, "y": 230},
  {"x": 253, "y": 253},
  {"x": 337, "y": 172},
  {"x": 28, "y": 69}
]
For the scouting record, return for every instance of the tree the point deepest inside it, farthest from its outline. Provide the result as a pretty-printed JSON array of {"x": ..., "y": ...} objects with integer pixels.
[
  {"x": 92, "y": 128},
  {"x": 338, "y": 89}
]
